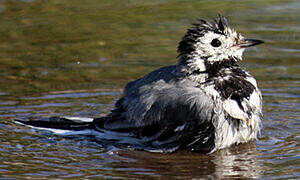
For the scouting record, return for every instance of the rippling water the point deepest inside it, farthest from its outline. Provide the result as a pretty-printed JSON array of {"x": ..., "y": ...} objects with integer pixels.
[{"x": 73, "y": 59}]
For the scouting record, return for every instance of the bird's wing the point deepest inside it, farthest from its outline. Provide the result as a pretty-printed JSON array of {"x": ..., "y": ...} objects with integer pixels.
[{"x": 165, "y": 114}]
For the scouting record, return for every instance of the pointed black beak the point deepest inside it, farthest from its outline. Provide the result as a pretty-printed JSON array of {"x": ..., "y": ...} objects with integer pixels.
[{"x": 250, "y": 42}]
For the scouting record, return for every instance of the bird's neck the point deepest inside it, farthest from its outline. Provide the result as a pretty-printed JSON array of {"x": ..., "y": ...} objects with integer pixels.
[{"x": 201, "y": 65}]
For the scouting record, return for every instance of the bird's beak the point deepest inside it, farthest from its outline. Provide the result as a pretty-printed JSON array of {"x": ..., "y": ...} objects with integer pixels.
[{"x": 249, "y": 42}]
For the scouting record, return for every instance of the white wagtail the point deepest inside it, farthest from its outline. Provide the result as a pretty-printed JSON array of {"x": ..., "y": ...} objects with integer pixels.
[{"x": 203, "y": 103}]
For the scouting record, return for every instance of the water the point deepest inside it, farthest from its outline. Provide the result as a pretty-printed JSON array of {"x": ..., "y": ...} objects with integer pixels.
[{"x": 73, "y": 59}]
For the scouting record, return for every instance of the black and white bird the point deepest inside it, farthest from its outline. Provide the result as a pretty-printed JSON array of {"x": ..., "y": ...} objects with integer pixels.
[{"x": 204, "y": 103}]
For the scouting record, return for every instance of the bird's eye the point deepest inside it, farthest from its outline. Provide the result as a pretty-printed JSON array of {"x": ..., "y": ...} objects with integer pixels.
[{"x": 215, "y": 43}]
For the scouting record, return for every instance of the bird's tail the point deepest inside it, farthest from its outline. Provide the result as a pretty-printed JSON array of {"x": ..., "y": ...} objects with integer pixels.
[{"x": 61, "y": 125}]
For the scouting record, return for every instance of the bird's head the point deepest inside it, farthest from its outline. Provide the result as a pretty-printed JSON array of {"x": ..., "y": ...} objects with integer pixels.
[{"x": 213, "y": 42}]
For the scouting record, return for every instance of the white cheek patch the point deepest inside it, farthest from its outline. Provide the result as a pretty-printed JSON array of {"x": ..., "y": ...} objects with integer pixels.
[
  {"x": 218, "y": 57},
  {"x": 233, "y": 109},
  {"x": 200, "y": 64}
]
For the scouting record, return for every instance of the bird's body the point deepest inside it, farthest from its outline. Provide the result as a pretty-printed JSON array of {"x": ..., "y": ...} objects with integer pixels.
[{"x": 204, "y": 103}]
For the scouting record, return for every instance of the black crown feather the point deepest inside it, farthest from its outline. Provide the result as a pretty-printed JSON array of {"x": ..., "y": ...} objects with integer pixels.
[{"x": 186, "y": 45}]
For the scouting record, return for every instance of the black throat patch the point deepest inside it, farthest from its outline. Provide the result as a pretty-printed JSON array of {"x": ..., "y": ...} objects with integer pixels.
[
  {"x": 234, "y": 85},
  {"x": 214, "y": 69},
  {"x": 229, "y": 81}
]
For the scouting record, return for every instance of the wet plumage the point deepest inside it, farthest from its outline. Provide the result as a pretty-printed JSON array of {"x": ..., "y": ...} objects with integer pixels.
[{"x": 204, "y": 103}]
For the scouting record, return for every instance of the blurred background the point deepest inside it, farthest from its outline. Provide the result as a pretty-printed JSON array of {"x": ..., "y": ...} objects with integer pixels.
[{"x": 73, "y": 58}]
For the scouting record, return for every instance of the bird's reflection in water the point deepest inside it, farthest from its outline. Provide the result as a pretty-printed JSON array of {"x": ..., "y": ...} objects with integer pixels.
[{"x": 238, "y": 161}]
